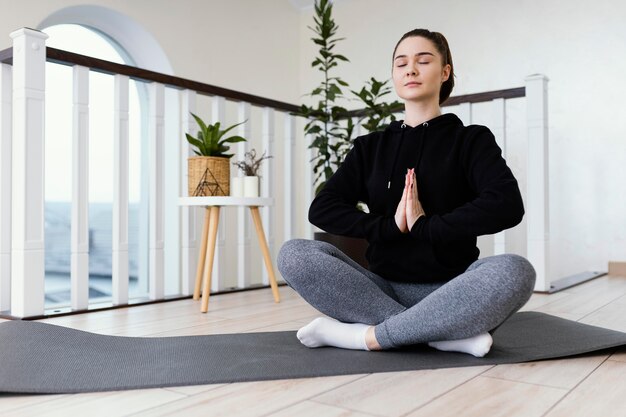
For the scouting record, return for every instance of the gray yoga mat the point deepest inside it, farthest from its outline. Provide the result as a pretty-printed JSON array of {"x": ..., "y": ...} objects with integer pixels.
[{"x": 44, "y": 358}]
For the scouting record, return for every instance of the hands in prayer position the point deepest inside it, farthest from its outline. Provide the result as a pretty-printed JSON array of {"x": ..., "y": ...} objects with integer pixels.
[{"x": 409, "y": 209}]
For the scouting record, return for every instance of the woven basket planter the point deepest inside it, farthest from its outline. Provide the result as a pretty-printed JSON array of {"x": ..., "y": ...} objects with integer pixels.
[{"x": 208, "y": 176}]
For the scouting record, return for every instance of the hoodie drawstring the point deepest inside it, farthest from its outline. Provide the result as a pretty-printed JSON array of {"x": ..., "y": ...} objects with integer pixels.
[{"x": 399, "y": 146}]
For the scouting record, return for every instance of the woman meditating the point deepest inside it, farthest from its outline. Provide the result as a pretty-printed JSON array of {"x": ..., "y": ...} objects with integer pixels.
[{"x": 432, "y": 186}]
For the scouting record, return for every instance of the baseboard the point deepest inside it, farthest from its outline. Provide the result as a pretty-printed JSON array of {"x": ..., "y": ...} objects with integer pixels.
[
  {"x": 572, "y": 280},
  {"x": 617, "y": 268}
]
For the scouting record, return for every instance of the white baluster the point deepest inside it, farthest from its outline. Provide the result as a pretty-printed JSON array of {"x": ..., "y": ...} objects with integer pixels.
[
  {"x": 80, "y": 190},
  {"x": 218, "y": 111},
  {"x": 243, "y": 217},
  {"x": 499, "y": 131},
  {"x": 189, "y": 260},
  {"x": 27, "y": 243},
  {"x": 465, "y": 113},
  {"x": 156, "y": 137},
  {"x": 288, "y": 175},
  {"x": 267, "y": 188},
  {"x": 309, "y": 187},
  {"x": 120, "y": 190},
  {"x": 6, "y": 92},
  {"x": 537, "y": 193},
  {"x": 358, "y": 128}
]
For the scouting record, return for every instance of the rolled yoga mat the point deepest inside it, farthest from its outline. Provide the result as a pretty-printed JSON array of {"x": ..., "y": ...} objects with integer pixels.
[{"x": 44, "y": 358}]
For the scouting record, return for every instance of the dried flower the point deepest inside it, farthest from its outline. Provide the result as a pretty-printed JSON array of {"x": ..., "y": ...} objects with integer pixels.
[{"x": 250, "y": 165}]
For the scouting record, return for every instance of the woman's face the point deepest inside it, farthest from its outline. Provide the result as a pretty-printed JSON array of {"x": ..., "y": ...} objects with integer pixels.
[{"x": 418, "y": 70}]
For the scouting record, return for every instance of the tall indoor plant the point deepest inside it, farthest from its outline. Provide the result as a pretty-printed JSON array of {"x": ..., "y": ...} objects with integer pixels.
[
  {"x": 330, "y": 125},
  {"x": 209, "y": 172}
]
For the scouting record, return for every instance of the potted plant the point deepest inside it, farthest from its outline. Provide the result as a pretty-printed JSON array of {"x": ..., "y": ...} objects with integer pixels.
[
  {"x": 209, "y": 172},
  {"x": 248, "y": 186},
  {"x": 331, "y": 126}
]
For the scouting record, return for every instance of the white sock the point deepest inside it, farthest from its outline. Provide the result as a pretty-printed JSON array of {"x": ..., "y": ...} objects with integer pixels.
[
  {"x": 326, "y": 331},
  {"x": 478, "y": 345}
]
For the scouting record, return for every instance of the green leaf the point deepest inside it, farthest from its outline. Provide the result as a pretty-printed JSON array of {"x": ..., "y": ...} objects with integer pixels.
[
  {"x": 230, "y": 128},
  {"x": 200, "y": 122},
  {"x": 234, "y": 139}
]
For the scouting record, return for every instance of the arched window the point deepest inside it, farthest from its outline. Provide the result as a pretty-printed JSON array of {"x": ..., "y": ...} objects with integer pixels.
[{"x": 58, "y": 169}]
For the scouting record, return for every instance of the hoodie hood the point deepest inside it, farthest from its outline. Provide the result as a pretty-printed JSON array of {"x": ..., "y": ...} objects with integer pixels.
[
  {"x": 443, "y": 119},
  {"x": 399, "y": 127}
]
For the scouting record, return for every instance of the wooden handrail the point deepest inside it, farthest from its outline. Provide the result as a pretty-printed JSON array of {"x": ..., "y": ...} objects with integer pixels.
[
  {"x": 6, "y": 56},
  {"x": 465, "y": 98},
  {"x": 99, "y": 65}
]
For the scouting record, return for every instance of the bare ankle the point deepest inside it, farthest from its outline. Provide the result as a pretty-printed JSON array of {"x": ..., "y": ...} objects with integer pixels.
[{"x": 370, "y": 339}]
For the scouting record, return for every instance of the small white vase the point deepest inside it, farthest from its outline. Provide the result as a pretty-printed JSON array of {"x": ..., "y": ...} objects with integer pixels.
[
  {"x": 250, "y": 186},
  {"x": 236, "y": 187}
]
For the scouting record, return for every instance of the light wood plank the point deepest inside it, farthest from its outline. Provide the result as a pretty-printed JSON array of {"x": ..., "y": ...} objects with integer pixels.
[
  {"x": 538, "y": 300},
  {"x": 250, "y": 398},
  {"x": 586, "y": 298},
  {"x": 107, "y": 404},
  {"x": 314, "y": 409},
  {"x": 397, "y": 393},
  {"x": 494, "y": 398},
  {"x": 194, "y": 389},
  {"x": 606, "y": 283},
  {"x": 619, "y": 356},
  {"x": 558, "y": 373},
  {"x": 610, "y": 316},
  {"x": 245, "y": 324},
  {"x": 602, "y": 394},
  {"x": 10, "y": 402}
]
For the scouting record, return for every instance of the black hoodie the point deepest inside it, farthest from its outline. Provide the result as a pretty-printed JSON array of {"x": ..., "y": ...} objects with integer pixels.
[{"x": 463, "y": 183}]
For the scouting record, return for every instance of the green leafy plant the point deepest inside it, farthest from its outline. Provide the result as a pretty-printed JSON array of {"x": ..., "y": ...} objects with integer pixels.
[
  {"x": 330, "y": 139},
  {"x": 377, "y": 115},
  {"x": 210, "y": 140},
  {"x": 330, "y": 125},
  {"x": 251, "y": 164}
]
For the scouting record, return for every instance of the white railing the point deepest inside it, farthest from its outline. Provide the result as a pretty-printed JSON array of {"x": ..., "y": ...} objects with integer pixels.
[{"x": 22, "y": 98}]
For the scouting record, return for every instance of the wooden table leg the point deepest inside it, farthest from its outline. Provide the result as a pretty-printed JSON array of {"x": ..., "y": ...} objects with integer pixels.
[
  {"x": 202, "y": 254},
  {"x": 210, "y": 253},
  {"x": 266, "y": 251}
]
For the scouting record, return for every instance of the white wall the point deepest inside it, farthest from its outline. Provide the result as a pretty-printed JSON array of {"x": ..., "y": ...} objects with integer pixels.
[
  {"x": 578, "y": 44},
  {"x": 238, "y": 44}
]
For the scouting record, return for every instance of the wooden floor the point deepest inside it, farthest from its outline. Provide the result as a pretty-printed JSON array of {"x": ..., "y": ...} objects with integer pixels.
[{"x": 594, "y": 385}]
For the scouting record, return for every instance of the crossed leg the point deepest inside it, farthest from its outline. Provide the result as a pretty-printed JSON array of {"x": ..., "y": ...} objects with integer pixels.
[{"x": 454, "y": 316}]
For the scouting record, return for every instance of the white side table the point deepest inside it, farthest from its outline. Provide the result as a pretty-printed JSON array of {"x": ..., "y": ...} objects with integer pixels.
[{"x": 209, "y": 234}]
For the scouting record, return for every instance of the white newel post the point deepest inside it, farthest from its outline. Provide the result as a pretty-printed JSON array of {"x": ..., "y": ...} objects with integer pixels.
[
  {"x": 156, "y": 138},
  {"x": 120, "y": 190},
  {"x": 6, "y": 86},
  {"x": 80, "y": 191},
  {"x": 537, "y": 204},
  {"x": 189, "y": 258},
  {"x": 27, "y": 243}
]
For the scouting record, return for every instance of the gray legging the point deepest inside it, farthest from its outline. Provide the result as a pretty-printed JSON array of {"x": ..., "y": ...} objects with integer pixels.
[{"x": 475, "y": 302}]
